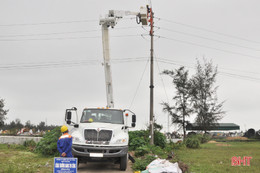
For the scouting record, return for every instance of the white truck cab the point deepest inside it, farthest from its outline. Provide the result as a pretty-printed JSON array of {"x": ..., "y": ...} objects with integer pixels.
[{"x": 100, "y": 134}]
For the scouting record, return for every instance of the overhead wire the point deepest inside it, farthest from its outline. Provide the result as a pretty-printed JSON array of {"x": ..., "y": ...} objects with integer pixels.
[
  {"x": 15, "y": 66},
  {"x": 53, "y": 38},
  {"x": 58, "y": 64},
  {"x": 65, "y": 38},
  {"x": 191, "y": 65},
  {"x": 206, "y": 38},
  {"x": 208, "y": 30},
  {"x": 209, "y": 47},
  {"x": 138, "y": 86},
  {"x": 250, "y": 78},
  {"x": 80, "y": 21},
  {"x": 50, "y": 23},
  {"x": 46, "y": 65},
  {"x": 164, "y": 88},
  {"x": 58, "y": 33},
  {"x": 53, "y": 33},
  {"x": 155, "y": 57}
]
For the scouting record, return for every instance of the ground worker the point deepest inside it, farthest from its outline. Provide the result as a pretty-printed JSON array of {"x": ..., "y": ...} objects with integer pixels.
[{"x": 64, "y": 143}]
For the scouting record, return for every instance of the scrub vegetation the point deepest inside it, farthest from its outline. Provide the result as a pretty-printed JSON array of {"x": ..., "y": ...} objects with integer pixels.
[
  {"x": 30, "y": 157},
  {"x": 197, "y": 154},
  {"x": 144, "y": 153},
  {"x": 19, "y": 158},
  {"x": 209, "y": 156},
  {"x": 216, "y": 157},
  {"x": 48, "y": 144}
]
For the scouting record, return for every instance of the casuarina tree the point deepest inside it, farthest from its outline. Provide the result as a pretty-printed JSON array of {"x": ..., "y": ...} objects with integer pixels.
[
  {"x": 2, "y": 112},
  {"x": 204, "y": 96},
  {"x": 182, "y": 100}
]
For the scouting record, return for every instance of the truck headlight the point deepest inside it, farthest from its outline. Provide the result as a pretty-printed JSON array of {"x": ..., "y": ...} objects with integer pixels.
[
  {"x": 121, "y": 141},
  {"x": 76, "y": 139}
]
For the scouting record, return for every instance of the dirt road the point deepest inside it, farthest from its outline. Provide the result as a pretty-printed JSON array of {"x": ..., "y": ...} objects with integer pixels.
[{"x": 103, "y": 167}]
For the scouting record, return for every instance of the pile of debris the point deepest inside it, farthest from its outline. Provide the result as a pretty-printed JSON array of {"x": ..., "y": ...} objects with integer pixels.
[{"x": 162, "y": 166}]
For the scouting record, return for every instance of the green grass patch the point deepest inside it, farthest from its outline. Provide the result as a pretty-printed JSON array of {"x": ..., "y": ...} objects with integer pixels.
[
  {"x": 16, "y": 159},
  {"x": 216, "y": 157}
]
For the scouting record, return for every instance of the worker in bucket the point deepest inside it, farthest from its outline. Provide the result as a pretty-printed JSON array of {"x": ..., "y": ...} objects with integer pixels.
[{"x": 64, "y": 143}]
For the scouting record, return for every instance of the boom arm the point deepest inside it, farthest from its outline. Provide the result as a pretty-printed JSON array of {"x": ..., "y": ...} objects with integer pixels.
[
  {"x": 107, "y": 66},
  {"x": 111, "y": 20}
]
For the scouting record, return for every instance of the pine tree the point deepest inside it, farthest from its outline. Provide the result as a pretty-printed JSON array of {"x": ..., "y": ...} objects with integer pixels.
[
  {"x": 182, "y": 103},
  {"x": 204, "y": 96},
  {"x": 2, "y": 112}
]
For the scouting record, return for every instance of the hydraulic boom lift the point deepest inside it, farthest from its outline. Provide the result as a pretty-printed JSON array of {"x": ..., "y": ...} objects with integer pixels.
[{"x": 110, "y": 21}]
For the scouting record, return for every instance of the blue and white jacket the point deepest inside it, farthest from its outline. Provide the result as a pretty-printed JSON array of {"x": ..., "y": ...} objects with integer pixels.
[{"x": 64, "y": 145}]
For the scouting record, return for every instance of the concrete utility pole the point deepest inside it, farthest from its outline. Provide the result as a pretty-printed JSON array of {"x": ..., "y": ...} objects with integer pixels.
[{"x": 150, "y": 13}]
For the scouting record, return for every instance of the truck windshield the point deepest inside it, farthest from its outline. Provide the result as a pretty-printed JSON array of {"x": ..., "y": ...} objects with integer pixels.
[{"x": 102, "y": 116}]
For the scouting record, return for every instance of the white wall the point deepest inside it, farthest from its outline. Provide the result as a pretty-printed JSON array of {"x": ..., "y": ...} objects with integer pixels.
[{"x": 17, "y": 139}]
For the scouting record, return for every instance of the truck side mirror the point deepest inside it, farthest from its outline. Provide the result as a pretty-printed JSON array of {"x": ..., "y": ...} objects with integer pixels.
[
  {"x": 133, "y": 120},
  {"x": 68, "y": 117}
]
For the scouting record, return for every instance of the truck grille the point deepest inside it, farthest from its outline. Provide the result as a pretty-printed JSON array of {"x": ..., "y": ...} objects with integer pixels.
[{"x": 94, "y": 135}]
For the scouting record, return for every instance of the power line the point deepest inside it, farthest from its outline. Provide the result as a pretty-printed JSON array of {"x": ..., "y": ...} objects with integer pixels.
[
  {"x": 162, "y": 79},
  {"x": 65, "y": 63},
  {"x": 138, "y": 86},
  {"x": 240, "y": 76},
  {"x": 168, "y": 117},
  {"x": 220, "y": 72},
  {"x": 59, "y": 64},
  {"x": 200, "y": 45},
  {"x": 66, "y": 38},
  {"x": 211, "y": 39},
  {"x": 191, "y": 65},
  {"x": 42, "y": 34},
  {"x": 122, "y": 60},
  {"x": 207, "y": 30},
  {"x": 57, "y": 33},
  {"x": 114, "y": 60},
  {"x": 50, "y": 23},
  {"x": 57, "y": 22},
  {"x": 46, "y": 65},
  {"x": 57, "y": 38}
]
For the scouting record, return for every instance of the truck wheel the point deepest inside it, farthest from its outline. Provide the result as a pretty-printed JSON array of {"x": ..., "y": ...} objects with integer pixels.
[{"x": 123, "y": 162}]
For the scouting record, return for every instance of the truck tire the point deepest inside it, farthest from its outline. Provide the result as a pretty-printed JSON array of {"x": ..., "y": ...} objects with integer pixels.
[{"x": 123, "y": 162}]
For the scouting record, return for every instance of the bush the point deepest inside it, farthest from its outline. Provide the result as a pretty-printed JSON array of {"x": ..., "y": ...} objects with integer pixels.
[
  {"x": 30, "y": 144},
  {"x": 48, "y": 144},
  {"x": 174, "y": 146},
  {"x": 136, "y": 143},
  {"x": 159, "y": 139},
  {"x": 140, "y": 138},
  {"x": 192, "y": 142},
  {"x": 141, "y": 163},
  {"x": 17, "y": 147},
  {"x": 205, "y": 138},
  {"x": 202, "y": 138},
  {"x": 141, "y": 151}
]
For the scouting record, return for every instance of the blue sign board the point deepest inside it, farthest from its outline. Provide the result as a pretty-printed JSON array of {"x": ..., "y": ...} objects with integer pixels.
[{"x": 65, "y": 165}]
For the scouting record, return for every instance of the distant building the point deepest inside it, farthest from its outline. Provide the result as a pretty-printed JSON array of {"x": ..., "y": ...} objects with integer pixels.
[{"x": 215, "y": 127}]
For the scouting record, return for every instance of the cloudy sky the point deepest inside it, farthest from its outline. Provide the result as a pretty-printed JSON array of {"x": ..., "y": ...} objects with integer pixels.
[{"x": 51, "y": 56}]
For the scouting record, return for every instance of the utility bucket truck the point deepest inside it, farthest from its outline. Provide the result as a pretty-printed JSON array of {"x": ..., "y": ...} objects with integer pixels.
[{"x": 102, "y": 134}]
